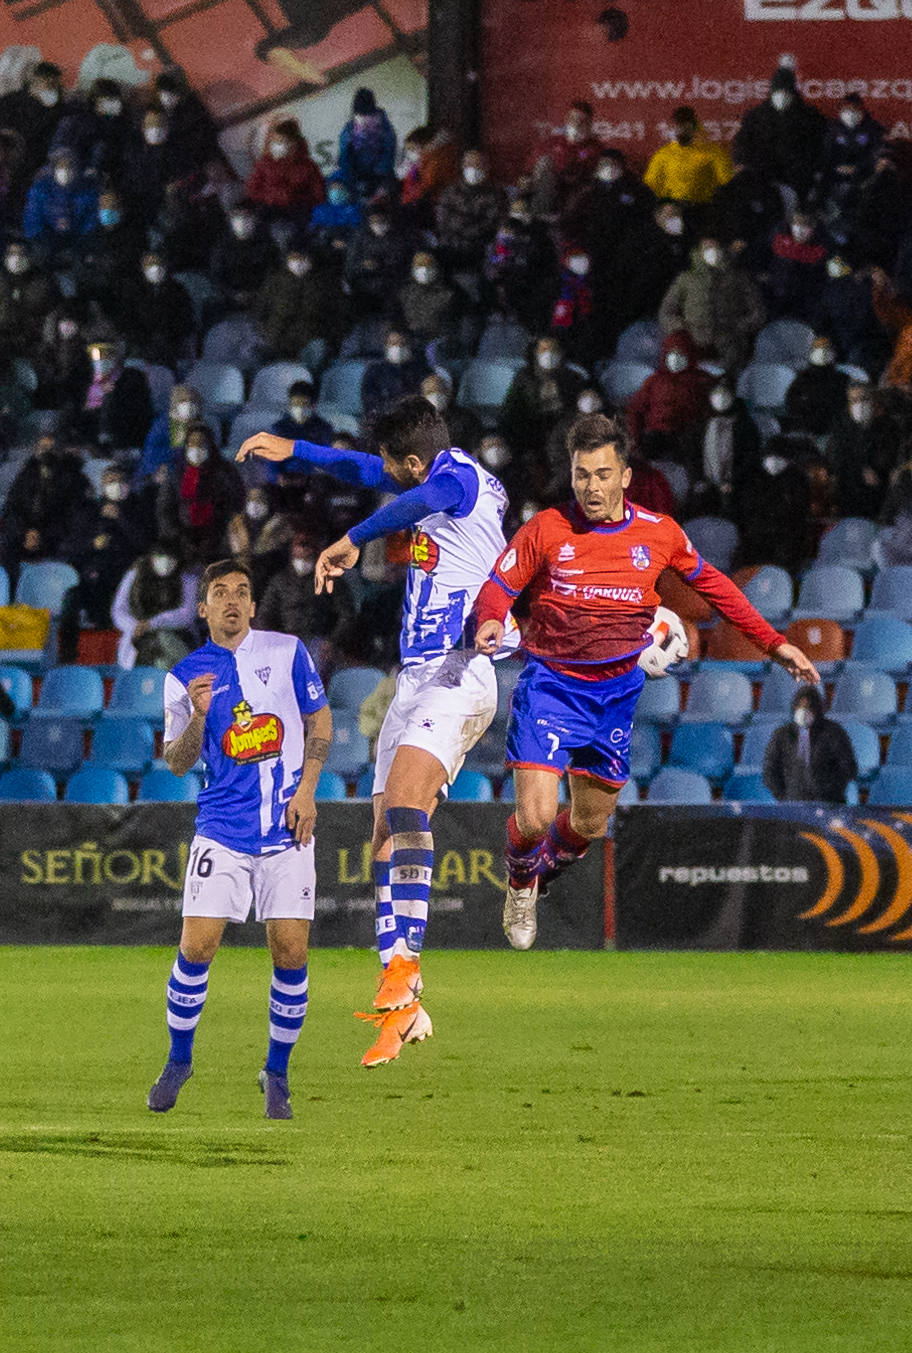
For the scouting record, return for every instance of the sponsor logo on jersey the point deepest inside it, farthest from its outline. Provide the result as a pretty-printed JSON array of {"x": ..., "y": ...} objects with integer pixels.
[
  {"x": 263, "y": 673},
  {"x": 640, "y": 556},
  {"x": 508, "y": 561},
  {"x": 253, "y": 737},
  {"x": 424, "y": 553},
  {"x": 564, "y": 553}
]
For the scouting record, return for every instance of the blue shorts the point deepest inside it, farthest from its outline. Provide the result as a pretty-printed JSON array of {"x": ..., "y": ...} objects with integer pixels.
[{"x": 560, "y": 723}]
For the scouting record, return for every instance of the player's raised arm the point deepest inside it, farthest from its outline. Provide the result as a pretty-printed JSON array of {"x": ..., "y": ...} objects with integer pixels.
[{"x": 352, "y": 467}]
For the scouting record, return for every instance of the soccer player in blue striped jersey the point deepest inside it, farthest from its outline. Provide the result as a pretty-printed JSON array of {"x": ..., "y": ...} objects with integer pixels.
[
  {"x": 250, "y": 703},
  {"x": 446, "y": 694}
]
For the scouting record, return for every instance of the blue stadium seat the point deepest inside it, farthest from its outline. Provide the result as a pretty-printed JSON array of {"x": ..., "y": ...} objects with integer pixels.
[
  {"x": 125, "y": 745},
  {"x": 849, "y": 542},
  {"x": 660, "y": 702},
  {"x": 673, "y": 785},
  {"x": 74, "y": 692},
  {"x": 756, "y": 738},
  {"x": 619, "y": 380},
  {"x": 645, "y": 752},
  {"x": 746, "y": 786},
  {"x": 716, "y": 539},
  {"x": 471, "y": 787},
  {"x": 160, "y": 786},
  {"x": 45, "y": 584},
  {"x": 785, "y": 341},
  {"x": 244, "y": 425},
  {"x": 340, "y": 385},
  {"x": 866, "y": 746},
  {"x": 138, "y": 694},
  {"x": 830, "y": 592},
  {"x": 677, "y": 476},
  {"x": 160, "y": 381},
  {"x": 4, "y": 587},
  {"x": 484, "y": 386},
  {"x": 4, "y": 742},
  {"x": 891, "y": 592},
  {"x": 54, "y": 745},
  {"x": 234, "y": 340},
  {"x": 778, "y": 692},
  {"x": 18, "y": 685},
  {"x": 891, "y": 787},
  {"x": 349, "y": 686},
  {"x": 885, "y": 642},
  {"x": 629, "y": 794},
  {"x": 270, "y": 384},
  {"x": 350, "y": 752},
  {"x": 202, "y": 293},
  {"x": 221, "y": 387},
  {"x": 899, "y": 752},
  {"x": 718, "y": 696},
  {"x": 707, "y": 748},
  {"x": 641, "y": 341},
  {"x": 329, "y": 786},
  {"x": 96, "y": 784},
  {"x": 764, "y": 384},
  {"x": 364, "y": 789},
  {"x": 27, "y": 786},
  {"x": 865, "y": 694},
  {"x": 770, "y": 591},
  {"x": 503, "y": 340}
]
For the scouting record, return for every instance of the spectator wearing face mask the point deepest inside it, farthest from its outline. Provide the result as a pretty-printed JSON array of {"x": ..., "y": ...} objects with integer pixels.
[
  {"x": 108, "y": 253},
  {"x": 400, "y": 372},
  {"x": 521, "y": 268},
  {"x": 568, "y": 165},
  {"x": 557, "y": 489},
  {"x": 847, "y": 315},
  {"x": 540, "y": 395},
  {"x": 33, "y": 113},
  {"x": 782, "y": 137},
  {"x": 632, "y": 283},
  {"x": 158, "y": 315},
  {"x": 367, "y": 148},
  {"x": 27, "y": 296},
  {"x": 771, "y": 507},
  {"x": 62, "y": 364},
  {"x": 666, "y": 413},
  {"x": 299, "y": 301},
  {"x": 614, "y": 202},
  {"x": 290, "y": 605},
  {"x": 468, "y": 214},
  {"x": 743, "y": 213},
  {"x": 730, "y": 442},
  {"x": 810, "y": 758},
  {"x": 286, "y": 182},
  {"x": 155, "y": 159},
  {"x": 43, "y": 500},
  {"x": 850, "y": 148},
  {"x": 431, "y": 163},
  {"x": 817, "y": 395},
  {"x": 61, "y": 208},
  {"x": 334, "y": 222},
  {"x": 300, "y": 421},
  {"x": 243, "y": 257},
  {"x": 716, "y": 303},
  {"x": 797, "y": 270},
  {"x": 168, "y": 433},
  {"x": 463, "y": 425},
  {"x": 690, "y": 168},
  {"x": 377, "y": 262},
  {"x": 425, "y": 301},
  {"x": 199, "y": 496},
  {"x": 154, "y": 608},
  {"x": 572, "y": 318},
  {"x": 96, "y": 129},
  {"x": 117, "y": 413},
  {"x": 191, "y": 123},
  {"x": 260, "y": 534},
  {"x": 861, "y": 453}
]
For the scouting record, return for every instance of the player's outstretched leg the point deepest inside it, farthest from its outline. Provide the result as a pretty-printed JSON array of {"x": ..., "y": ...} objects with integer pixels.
[
  {"x": 411, "y": 1024},
  {"x": 287, "y": 1012},
  {"x": 187, "y": 988},
  {"x": 411, "y": 867}
]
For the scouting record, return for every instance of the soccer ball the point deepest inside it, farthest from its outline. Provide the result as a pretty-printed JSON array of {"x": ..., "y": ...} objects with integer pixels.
[{"x": 669, "y": 643}]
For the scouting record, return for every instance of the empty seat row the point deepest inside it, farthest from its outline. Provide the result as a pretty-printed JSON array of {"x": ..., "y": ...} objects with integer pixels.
[
  {"x": 97, "y": 784},
  {"x": 77, "y": 692}
]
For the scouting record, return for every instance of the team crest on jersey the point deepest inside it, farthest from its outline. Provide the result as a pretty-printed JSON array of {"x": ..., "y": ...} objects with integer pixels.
[
  {"x": 640, "y": 556},
  {"x": 263, "y": 673},
  {"x": 253, "y": 737},
  {"x": 564, "y": 553},
  {"x": 424, "y": 552}
]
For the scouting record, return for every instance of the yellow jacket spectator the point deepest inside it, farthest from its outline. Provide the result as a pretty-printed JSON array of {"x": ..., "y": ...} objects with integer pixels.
[{"x": 691, "y": 167}]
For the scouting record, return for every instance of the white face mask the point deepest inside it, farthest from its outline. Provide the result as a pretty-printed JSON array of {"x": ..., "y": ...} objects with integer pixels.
[
  {"x": 836, "y": 267},
  {"x": 473, "y": 175},
  {"x": 548, "y": 361},
  {"x": 16, "y": 263},
  {"x": 781, "y": 99},
  {"x": 155, "y": 273},
  {"x": 674, "y": 225},
  {"x": 109, "y": 107},
  {"x": 299, "y": 412},
  {"x": 850, "y": 117},
  {"x": 67, "y": 328},
  {"x": 168, "y": 99},
  {"x": 495, "y": 455},
  {"x": 608, "y": 173},
  {"x": 774, "y": 464},
  {"x": 437, "y": 400},
  {"x": 588, "y": 404},
  {"x": 527, "y": 512},
  {"x": 574, "y": 133},
  {"x": 116, "y": 492},
  {"x": 397, "y": 354},
  {"x": 63, "y": 177},
  {"x": 861, "y": 411},
  {"x": 721, "y": 400},
  {"x": 155, "y": 136},
  {"x": 803, "y": 717},
  {"x": 424, "y": 275},
  {"x": 163, "y": 565},
  {"x": 242, "y": 227},
  {"x": 185, "y": 412},
  {"x": 676, "y": 361},
  {"x": 298, "y": 266},
  {"x": 302, "y": 567},
  {"x": 578, "y": 265},
  {"x": 279, "y": 149},
  {"x": 196, "y": 455},
  {"x": 712, "y": 257},
  {"x": 821, "y": 357},
  {"x": 257, "y": 510},
  {"x": 48, "y": 97},
  {"x": 802, "y": 233},
  {"x": 379, "y": 228}
]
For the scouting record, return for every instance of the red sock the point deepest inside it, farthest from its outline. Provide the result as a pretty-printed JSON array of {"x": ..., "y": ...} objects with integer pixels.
[
  {"x": 520, "y": 844},
  {"x": 524, "y": 855},
  {"x": 565, "y": 838}
]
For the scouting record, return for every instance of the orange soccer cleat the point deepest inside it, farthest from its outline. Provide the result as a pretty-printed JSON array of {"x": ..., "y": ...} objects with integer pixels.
[
  {"x": 397, "y": 1027},
  {"x": 400, "y": 984}
]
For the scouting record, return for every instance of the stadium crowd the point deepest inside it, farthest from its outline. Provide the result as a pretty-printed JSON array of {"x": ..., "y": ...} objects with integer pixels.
[{"x": 748, "y": 308}]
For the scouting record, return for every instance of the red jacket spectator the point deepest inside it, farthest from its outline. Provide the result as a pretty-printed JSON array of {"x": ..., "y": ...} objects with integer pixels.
[
  {"x": 671, "y": 403},
  {"x": 285, "y": 177}
]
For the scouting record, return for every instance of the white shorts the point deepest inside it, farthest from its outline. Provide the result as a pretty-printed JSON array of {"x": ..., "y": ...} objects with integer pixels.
[
  {"x": 443, "y": 706},
  {"x": 223, "y": 883}
]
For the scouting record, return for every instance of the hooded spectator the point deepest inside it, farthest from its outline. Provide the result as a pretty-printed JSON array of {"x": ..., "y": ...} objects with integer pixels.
[
  {"x": 716, "y": 303},
  {"x": 243, "y": 256},
  {"x": 199, "y": 496},
  {"x": 665, "y": 415},
  {"x": 797, "y": 271},
  {"x": 96, "y": 129},
  {"x": 862, "y": 452},
  {"x": 33, "y": 113},
  {"x": 155, "y": 608},
  {"x": 850, "y": 150},
  {"x": 468, "y": 214},
  {"x": 155, "y": 159},
  {"x": 27, "y": 296},
  {"x": 367, "y": 148},
  {"x": 298, "y": 302},
  {"x": 541, "y": 394},
  {"x": 400, "y": 372},
  {"x": 425, "y": 301},
  {"x": 286, "y": 181},
  {"x": 61, "y": 208},
  {"x": 377, "y": 261},
  {"x": 690, "y": 168},
  {"x": 334, "y": 222},
  {"x": 782, "y": 137},
  {"x": 817, "y": 395},
  {"x": 44, "y": 499},
  {"x": 568, "y": 165},
  {"x": 809, "y": 759},
  {"x": 521, "y": 268}
]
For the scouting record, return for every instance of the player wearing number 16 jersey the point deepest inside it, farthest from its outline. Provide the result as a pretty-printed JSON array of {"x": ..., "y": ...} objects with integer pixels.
[{"x": 590, "y": 568}]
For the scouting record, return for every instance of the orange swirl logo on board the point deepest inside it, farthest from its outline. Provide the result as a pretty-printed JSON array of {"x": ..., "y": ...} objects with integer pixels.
[
  {"x": 857, "y": 898},
  {"x": 253, "y": 737},
  {"x": 423, "y": 552}
]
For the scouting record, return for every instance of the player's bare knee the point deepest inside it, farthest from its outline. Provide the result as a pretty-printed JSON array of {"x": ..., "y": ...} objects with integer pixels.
[
  {"x": 533, "y": 819},
  {"x": 590, "y": 825}
]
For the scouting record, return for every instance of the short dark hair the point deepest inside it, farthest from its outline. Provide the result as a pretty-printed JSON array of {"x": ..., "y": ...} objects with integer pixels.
[
  {"x": 46, "y": 70},
  {"x": 592, "y": 430},
  {"x": 220, "y": 569},
  {"x": 581, "y": 106},
  {"x": 684, "y": 114},
  {"x": 302, "y": 388},
  {"x": 412, "y": 427}
]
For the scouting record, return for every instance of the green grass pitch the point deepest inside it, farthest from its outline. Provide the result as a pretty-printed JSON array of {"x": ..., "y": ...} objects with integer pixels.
[{"x": 635, "y": 1153}]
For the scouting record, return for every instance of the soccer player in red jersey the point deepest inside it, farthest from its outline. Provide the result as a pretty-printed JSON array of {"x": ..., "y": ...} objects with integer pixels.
[{"x": 590, "y": 568}]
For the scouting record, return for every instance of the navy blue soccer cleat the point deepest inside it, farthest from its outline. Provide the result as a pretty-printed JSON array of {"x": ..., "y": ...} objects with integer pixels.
[
  {"x": 278, "y": 1096},
  {"x": 164, "y": 1093}
]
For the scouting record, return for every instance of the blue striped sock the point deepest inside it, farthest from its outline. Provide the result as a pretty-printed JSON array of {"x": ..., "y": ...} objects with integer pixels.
[
  {"x": 411, "y": 866},
  {"x": 187, "y": 988},
  {"x": 385, "y": 921},
  {"x": 287, "y": 1008}
]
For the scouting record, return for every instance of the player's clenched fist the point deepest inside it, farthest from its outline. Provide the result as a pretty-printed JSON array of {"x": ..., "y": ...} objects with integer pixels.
[
  {"x": 200, "y": 693},
  {"x": 267, "y": 446},
  {"x": 489, "y": 637}
]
